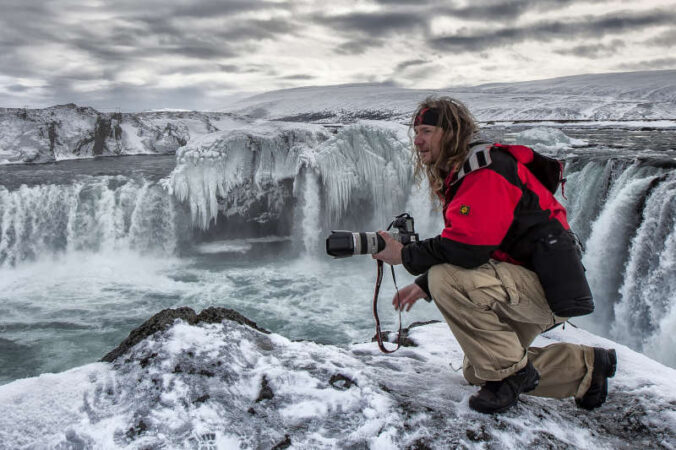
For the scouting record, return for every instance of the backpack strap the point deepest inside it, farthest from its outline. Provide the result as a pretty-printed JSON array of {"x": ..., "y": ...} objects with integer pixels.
[{"x": 479, "y": 157}]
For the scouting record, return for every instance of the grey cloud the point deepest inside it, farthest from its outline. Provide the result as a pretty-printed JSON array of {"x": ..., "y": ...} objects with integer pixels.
[
  {"x": 412, "y": 62},
  {"x": 374, "y": 24},
  {"x": 299, "y": 76},
  {"x": 594, "y": 50},
  {"x": 490, "y": 10},
  {"x": 358, "y": 46},
  {"x": 666, "y": 39},
  {"x": 651, "y": 64},
  {"x": 215, "y": 8},
  {"x": 18, "y": 88},
  {"x": 544, "y": 31},
  {"x": 257, "y": 30}
]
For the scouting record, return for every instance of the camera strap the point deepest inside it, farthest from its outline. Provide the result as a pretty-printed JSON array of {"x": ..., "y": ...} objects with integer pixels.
[{"x": 379, "y": 336}]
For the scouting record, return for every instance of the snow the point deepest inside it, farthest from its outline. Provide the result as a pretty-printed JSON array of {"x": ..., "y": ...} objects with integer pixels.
[
  {"x": 201, "y": 384},
  {"x": 635, "y": 96}
]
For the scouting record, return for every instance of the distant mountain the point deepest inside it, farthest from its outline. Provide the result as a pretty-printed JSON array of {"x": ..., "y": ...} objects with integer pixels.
[{"x": 647, "y": 95}]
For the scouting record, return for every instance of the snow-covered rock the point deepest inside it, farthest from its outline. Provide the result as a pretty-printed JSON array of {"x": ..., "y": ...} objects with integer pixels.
[
  {"x": 225, "y": 384},
  {"x": 69, "y": 131}
]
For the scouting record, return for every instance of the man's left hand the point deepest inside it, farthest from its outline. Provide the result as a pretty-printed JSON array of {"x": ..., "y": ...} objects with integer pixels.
[{"x": 391, "y": 254}]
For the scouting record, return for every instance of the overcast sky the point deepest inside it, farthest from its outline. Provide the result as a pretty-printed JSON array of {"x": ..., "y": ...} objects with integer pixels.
[{"x": 150, "y": 54}]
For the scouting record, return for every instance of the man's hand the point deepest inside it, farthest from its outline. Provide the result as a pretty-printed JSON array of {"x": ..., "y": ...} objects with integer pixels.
[
  {"x": 391, "y": 254},
  {"x": 407, "y": 297}
]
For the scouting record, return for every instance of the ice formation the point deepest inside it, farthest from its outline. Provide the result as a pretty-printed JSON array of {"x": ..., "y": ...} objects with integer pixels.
[
  {"x": 239, "y": 167},
  {"x": 547, "y": 139},
  {"x": 363, "y": 170}
]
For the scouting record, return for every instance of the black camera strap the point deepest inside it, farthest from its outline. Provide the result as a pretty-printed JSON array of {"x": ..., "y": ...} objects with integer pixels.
[{"x": 379, "y": 336}]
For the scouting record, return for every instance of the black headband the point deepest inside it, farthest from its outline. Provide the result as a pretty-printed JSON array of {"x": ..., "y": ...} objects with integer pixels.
[{"x": 427, "y": 116}]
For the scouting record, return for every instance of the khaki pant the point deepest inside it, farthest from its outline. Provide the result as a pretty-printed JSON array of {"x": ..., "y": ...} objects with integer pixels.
[{"x": 495, "y": 311}]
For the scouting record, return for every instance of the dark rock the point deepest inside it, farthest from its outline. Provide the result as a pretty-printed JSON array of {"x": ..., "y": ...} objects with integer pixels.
[
  {"x": 159, "y": 322},
  {"x": 145, "y": 361},
  {"x": 137, "y": 429},
  {"x": 341, "y": 382},
  {"x": 286, "y": 443},
  {"x": 419, "y": 444},
  {"x": 266, "y": 391},
  {"x": 166, "y": 318},
  {"x": 217, "y": 315},
  {"x": 201, "y": 399},
  {"x": 479, "y": 435},
  {"x": 391, "y": 336}
]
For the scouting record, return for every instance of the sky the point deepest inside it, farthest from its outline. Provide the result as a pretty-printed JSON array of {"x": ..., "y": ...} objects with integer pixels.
[{"x": 133, "y": 55}]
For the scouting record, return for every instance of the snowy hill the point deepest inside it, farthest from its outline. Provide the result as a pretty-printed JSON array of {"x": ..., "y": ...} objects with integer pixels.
[
  {"x": 217, "y": 381},
  {"x": 614, "y": 96}
]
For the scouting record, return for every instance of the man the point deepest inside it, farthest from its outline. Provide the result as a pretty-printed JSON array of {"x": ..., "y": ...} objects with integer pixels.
[{"x": 504, "y": 264}]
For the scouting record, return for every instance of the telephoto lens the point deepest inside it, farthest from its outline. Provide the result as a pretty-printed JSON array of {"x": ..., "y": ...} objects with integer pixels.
[{"x": 341, "y": 244}]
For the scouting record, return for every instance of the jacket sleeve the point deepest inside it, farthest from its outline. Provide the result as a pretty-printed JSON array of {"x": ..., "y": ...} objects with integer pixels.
[
  {"x": 423, "y": 284},
  {"x": 476, "y": 221}
]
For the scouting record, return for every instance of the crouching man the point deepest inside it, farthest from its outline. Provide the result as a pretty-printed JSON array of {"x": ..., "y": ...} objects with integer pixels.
[{"x": 505, "y": 267}]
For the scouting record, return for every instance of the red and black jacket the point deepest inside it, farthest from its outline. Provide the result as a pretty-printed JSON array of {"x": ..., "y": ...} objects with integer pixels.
[{"x": 496, "y": 207}]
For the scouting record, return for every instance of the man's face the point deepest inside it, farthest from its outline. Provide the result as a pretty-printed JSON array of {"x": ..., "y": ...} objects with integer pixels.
[{"x": 428, "y": 143}]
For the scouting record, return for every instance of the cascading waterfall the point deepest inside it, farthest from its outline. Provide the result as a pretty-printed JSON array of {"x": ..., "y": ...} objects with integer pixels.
[
  {"x": 630, "y": 251},
  {"x": 648, "y": 294},
  {"x": 608, "y": 247},
  {"x": 99, "y": 214},
  {"x": 587, "y": 190}
]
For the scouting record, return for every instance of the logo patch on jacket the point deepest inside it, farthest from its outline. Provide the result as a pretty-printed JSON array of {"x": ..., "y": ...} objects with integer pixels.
[{"x": 464, "y": 210}]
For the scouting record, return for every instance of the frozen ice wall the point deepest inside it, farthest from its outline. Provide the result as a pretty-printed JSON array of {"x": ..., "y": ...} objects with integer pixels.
[
  {"x": 230, "y": 171},
  {"x": 362, "y": 173},
  {"x": 366, "y": 170}
]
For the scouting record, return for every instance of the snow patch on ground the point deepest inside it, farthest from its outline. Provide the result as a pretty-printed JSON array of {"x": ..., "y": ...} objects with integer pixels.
[{"x": 229, "y": 386}]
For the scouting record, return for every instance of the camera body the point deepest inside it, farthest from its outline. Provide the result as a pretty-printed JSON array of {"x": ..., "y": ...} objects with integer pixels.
[{"x": 341, "y": 244}]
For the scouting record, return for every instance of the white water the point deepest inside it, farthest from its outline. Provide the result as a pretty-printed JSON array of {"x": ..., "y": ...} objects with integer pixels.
[
  {"x": 311, "y": 213},
  {"x": 99, "y": 214}
]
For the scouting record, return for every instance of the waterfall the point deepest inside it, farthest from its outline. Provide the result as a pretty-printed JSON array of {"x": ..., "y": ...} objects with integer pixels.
[
  {"x": 311, "y": 224},
  {"x": 98, "y": 214},
  {"x": 630, "y": 211},
  {"x": 648, "y": 294}
]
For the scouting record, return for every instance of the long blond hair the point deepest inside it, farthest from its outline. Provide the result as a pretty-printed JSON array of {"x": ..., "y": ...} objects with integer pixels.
[{"x": 459, "y": 127}]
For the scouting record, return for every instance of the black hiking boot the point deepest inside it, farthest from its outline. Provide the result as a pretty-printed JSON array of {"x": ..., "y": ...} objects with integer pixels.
[
  {"x": 497, "y": 396},
  {"x": 605, "y": 363}
]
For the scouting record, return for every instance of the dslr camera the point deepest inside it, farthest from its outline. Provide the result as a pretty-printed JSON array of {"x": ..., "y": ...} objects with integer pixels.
[{"x": 341, "y": 244}]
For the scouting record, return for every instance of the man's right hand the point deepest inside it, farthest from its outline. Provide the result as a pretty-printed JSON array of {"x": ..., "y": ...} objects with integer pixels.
[{"x": 407, "y": 297}]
